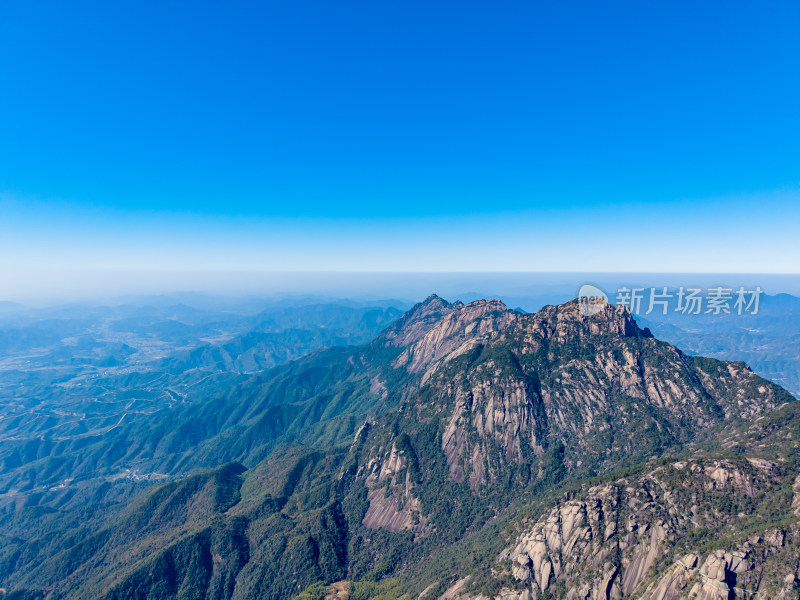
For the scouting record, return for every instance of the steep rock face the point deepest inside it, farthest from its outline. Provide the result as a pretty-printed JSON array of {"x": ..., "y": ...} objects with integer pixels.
[
  {"x": 392, "y": 505},
  {"x": 595, "y": 386},
  {"x": 796, "y": 498},
  {"x": 497, "y": 418},
  {"x": 608, "y": 352},
  {"x": 436, "y": 331},
  {"x": 644, "y": 538}
]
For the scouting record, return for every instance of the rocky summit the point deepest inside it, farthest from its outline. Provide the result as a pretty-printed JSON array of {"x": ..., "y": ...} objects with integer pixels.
[{"x": 467, "y": 451}]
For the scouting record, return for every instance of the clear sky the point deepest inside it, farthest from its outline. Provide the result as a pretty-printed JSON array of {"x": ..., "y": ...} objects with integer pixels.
[{"x": 400, "y": 136}]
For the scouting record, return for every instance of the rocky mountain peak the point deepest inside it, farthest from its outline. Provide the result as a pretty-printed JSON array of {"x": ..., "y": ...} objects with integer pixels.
[
  {"x": 417, "y": 320},
  {"x": 596, "y": 385},
  {"x": 435, "y": 299},
  {"x": 433, "y": 313},
  {"x": 567, "y": 320},
  {"x": 435, "y": 330}
]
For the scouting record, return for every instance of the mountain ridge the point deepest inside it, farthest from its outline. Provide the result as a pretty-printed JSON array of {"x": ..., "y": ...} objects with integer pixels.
[{"x": 453, "y": 417}]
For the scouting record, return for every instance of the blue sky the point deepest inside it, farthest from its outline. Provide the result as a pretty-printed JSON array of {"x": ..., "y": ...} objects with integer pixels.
[{"x": 452, "y": 136}]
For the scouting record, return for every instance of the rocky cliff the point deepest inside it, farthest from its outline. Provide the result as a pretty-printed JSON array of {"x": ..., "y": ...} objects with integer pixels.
[{"x": 653, "y": 537}]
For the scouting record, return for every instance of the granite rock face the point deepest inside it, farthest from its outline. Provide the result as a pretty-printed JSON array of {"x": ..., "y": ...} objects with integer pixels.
[
  {"x": 392, "y": 505},
  {"x": 638, "y": 538},
  {"x": 510, "y": 387},
  {"x": 436, "y": 331}
]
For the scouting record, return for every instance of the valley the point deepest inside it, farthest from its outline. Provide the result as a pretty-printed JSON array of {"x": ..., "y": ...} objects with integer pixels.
[{"x": 464, "y": 451}]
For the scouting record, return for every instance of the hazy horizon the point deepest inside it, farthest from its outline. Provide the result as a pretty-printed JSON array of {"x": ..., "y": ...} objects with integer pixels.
[{"x": 114, "y": 286}]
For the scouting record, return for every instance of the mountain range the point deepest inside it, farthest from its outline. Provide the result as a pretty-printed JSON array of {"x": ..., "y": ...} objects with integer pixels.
[{"x": 463, "y": 451}]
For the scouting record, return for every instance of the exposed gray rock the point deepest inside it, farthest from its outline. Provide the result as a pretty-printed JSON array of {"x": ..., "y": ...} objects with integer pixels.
[
  {"x": 575, "y": 544},
  {"x": 439, "y": 332},
  {"x": 392, "y": 505}
]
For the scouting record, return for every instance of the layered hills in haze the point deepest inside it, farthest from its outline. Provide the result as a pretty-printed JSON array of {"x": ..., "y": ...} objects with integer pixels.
[{"x": 465, "y": 451}]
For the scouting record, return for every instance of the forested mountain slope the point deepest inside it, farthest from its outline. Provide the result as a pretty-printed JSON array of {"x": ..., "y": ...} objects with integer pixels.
[{"x": 385, "y": 464}]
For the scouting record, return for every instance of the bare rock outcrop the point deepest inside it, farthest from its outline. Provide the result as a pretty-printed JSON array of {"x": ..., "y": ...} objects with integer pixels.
[
  {"x": 392, "y": 505},
  {"x": 437, "y": 331},
  {"x": 561, "y": 378},
  {"x": 796, "y": 496},
  {"x": 619, "y": 540}
]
